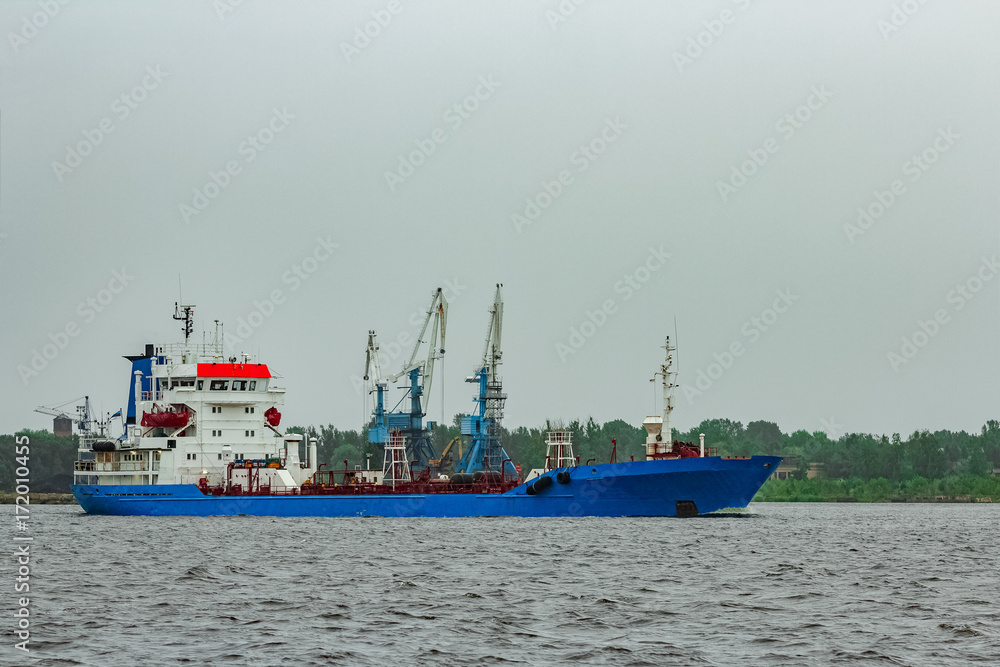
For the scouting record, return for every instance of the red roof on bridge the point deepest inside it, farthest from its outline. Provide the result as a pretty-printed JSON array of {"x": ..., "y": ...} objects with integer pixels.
[{"x": 233, "y": 371}]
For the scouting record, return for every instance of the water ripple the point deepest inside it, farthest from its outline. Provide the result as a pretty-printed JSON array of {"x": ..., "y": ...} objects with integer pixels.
[{"x": 786, "y": 584}]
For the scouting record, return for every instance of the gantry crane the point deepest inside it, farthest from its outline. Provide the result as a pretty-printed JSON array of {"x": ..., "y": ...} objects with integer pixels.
[
  {"x": 485, "y": 451},
  {"x": 84, "y": 421},
  {"x": 421, "y": 374},
  {"x": 378, "y": 432}
]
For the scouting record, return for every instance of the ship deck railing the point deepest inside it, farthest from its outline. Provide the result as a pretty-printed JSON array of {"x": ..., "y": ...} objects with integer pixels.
[
  {"x": 406, "y": 488},
  {"x": 200, "y": 350},
  {"x": 116, "y": 466}
]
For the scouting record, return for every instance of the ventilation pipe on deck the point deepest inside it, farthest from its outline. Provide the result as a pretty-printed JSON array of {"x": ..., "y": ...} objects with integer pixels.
[
  {"x": 135, "y": 433},
  {"x": 138, "y": 389},
  {"x": 701, "y": 438}
]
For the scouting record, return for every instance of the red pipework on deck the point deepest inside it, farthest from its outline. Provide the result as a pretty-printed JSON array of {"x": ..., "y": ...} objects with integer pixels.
[
  {"x": 503, "y": 470},
  {"x": 323, "y": 483}
]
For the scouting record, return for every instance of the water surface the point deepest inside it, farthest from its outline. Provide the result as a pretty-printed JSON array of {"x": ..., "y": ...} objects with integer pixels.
[{"x": 786, "y": 584}]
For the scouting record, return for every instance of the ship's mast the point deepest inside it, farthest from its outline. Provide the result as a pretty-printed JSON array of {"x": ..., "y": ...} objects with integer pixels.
[
  {"x": 187, "y": 317},
  {"x": 667, "y": 374},
  {"x": 659, "y": 435}
]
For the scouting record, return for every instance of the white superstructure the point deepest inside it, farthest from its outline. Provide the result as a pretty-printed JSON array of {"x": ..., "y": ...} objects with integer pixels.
[{"x": 191, "y": 413}]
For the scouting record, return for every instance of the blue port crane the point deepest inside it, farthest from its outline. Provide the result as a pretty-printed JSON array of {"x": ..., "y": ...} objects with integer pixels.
[
  {"x": 377, "y": 432},
  {"x": 420, "y": 374},
  {"x": 485, "y": 452}
]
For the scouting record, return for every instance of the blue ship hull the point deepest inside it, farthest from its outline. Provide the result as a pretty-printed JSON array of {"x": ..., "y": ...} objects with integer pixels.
[{"x": 639, "y": 488}]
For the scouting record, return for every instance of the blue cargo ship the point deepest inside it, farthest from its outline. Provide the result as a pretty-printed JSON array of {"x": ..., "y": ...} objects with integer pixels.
[
  {"x": 667, "y": 487},
  {"x": 201, "y": 437}
]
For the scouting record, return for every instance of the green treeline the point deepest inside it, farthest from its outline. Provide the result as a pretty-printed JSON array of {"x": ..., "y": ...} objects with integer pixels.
[
  {"x": 860, "y": 456},
  {"x": 855, "y": 465},
  {"x": 50, "y": 462},
  {"x": 965, "y": 488}
]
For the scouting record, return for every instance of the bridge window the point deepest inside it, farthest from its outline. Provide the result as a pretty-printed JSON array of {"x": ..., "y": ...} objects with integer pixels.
[
  {"x": 242, "y": 385},
  {"x": 253, "y": 385},
  {"x": 221, "y": 385},
  {"x": 201, "y": 385}
]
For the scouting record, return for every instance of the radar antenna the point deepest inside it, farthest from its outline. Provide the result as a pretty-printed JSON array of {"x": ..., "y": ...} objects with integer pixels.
[{"x": 187, "y": 318}]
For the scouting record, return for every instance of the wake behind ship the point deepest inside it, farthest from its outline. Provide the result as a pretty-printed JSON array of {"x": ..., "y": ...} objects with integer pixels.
[{"x": 202, "y": 437}]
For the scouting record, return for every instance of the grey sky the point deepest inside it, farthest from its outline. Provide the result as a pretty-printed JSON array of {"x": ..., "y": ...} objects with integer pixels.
[{"x": 665, "y": 122}]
